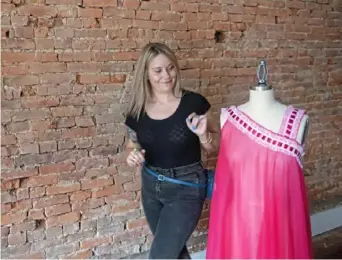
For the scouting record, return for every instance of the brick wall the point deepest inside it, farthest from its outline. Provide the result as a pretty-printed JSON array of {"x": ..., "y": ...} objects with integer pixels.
[{"x": 67, "y": 65}]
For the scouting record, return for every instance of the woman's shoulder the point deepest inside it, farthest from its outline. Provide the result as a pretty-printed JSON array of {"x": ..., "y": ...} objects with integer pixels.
[
  {"x": 197, "y": 102},
  {"x": 132, "y": 121},
  {"x": 190, "y": 94}
]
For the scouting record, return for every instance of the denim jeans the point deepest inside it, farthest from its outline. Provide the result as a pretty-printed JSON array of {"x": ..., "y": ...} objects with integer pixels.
[{"x": 173, "y": 210}]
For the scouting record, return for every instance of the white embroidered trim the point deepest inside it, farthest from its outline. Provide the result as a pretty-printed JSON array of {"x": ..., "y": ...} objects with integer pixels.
[
  {"x": 263, "y": 136},
  {"x": 223, "y": 116},
  {"x": 285, "y": 120},
  {"x": 295, "y": 126}
]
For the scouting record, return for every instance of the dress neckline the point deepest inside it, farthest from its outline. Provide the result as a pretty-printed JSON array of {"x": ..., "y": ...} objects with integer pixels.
[
  {"x": 248, "y": 119},
  {"x": 263, "y": 136}
]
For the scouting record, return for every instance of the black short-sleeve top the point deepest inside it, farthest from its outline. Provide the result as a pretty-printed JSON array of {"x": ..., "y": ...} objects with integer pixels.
[{"x": 169, "y": 142}]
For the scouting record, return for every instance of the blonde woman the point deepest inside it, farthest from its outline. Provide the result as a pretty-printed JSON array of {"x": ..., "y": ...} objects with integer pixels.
[{"x": 167, "y": 126}]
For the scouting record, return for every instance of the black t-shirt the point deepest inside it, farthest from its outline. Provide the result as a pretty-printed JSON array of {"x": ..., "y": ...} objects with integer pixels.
[{"x": 169, "y": 142}]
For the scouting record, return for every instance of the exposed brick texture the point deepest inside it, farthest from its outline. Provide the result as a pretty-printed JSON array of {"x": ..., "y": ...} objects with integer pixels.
[{"x": 66, "y": 69}]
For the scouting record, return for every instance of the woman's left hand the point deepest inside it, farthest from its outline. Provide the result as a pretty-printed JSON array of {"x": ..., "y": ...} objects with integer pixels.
[{"x": 197, "y": 124}]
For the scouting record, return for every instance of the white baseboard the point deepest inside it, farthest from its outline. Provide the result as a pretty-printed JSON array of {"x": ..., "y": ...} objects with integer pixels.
[{"x": 320, "y": 223}]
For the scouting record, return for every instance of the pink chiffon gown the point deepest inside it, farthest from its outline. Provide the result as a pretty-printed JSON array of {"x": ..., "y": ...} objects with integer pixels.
[{"x": 259, "y": 207}]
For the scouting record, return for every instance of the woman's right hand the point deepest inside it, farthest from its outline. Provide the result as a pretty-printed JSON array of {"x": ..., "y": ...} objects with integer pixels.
[{"x": 136, "y": 158}]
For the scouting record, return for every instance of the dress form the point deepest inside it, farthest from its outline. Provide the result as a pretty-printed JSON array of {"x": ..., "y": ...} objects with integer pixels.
[
  {"x": 259, "y": 207},
  {"x": 264, "y": 109}
]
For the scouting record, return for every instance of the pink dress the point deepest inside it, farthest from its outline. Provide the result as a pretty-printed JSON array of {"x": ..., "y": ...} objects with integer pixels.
[{"x": 259, "y": 207}]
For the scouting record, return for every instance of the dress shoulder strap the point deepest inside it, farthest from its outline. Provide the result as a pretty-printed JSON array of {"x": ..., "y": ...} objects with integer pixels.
[
  {"x": 291, "y": 122},
  {"x": 223, "y": 116}
]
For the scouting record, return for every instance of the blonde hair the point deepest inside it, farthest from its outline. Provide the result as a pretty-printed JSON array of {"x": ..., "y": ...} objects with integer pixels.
[{"x": 141, "y": 86}]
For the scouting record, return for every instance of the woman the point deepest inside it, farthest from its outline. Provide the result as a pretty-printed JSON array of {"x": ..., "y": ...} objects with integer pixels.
[{"x": 167, "y": 126}]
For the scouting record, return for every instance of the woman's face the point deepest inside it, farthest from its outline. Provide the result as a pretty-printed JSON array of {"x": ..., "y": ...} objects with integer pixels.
[{"x": 162, "y": 74}]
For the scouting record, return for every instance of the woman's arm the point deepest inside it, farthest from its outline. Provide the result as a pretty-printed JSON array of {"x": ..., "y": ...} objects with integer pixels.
[
  {"x": 210, "y": 140},
  {"x": 132, "y": 140}
]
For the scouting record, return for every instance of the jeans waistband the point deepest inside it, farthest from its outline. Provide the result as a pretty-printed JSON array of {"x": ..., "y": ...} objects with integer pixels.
[{"x": 178, "y": 171}]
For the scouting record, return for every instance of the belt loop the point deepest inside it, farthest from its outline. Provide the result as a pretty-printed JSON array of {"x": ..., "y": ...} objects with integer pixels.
[{"x": 172, "y": 173}]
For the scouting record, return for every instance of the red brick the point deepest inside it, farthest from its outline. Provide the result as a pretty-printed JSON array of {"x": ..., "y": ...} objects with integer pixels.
[
  {"x": 24, "y": 32},
  {"x": 7, "y": 163},
  {"x": 8, "y": 139},
  {"x": 100, "y": 3},
  {"x": 24, "y": 226},
  {"x": 5, "y": 208},
  {"x": 143, "y": 15},
  {"x": 93, "y": 79},
  {"x": 121, "y": 179},
  {"x": 110, "y": 190},
  {"x": 119, "y": 78},
  {"x": 97, "y": 183},
  {"x": 84, "y": 121},
  {"x": 37, "y": 10},
  {"x": 14, "y": 57},
  {"x": 57, "y": 78},
  {"x": 126, "y": 208},
  {"x": 18, "y": 174},
  {"x": 11, "y": 218},
  {"x": 64, "y": 33},
  {"x": 49, "y": 201},
  {"x": 46, "y": 57},
  {"x": 63, "y": 2},
  {"x": 47, "y": 67},
  {"x": 66, "y": 111},
  {"x": 122, "y": 13},
  {"x": 41, "y": 180},
  {"x": 154, "y": 6},
  {"x": 126, "y": 56},
  {"x": 15, "y": 70},
  {"x": 129, "y": 186},
  {"x": 21, "y": 80},
  {"x": 22, "y": 205},
  {"x": 88, "y": 204},
  {"x": 131, "y": 4},
  {"x": 85, "y": 254},
  {"x": 92, "y": 173},
  {"x": 80, "y": 196},
  {"x": 90, "y": 12},
  {"x": 10, "y": 184},
  {"x": 57, "y": 209},
  {"x": 17, "y": 239},
  {"x": 35, "y": 255},
  {"x": 22, "y": 194},
  {"x": 56, "y": 168},
  {"x": 94, "y": 242},
  {"x": 64, "y": 219},
  {"x": 28, "y": 148},
  {"x": 49, "y": 146},
  {"x": 63, "y": 188},
  {"x": 75, "y": 56},
  {"x": 79, "y": 132},
  {"x": 174, "y": 26},
  {"x": 36, "y": 214}
]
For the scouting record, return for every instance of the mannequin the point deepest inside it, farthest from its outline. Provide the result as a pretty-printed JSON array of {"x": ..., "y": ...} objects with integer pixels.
[
  {"x": 263, "y": 108},
  {"x": 261, "y": 103},
  {"x": 259, "y": 207}
]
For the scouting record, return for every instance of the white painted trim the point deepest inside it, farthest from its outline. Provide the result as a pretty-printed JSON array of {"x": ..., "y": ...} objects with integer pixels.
[
  {"x": 320, "y": 223},
  {"x": 326, "y": 220}
]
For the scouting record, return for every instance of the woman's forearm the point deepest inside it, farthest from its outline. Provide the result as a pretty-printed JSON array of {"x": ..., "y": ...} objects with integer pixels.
[{"x": 210, "y": 142}]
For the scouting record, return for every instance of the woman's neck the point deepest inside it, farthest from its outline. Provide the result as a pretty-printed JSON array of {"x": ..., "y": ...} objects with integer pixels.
[{"x": 162, "y": 98}]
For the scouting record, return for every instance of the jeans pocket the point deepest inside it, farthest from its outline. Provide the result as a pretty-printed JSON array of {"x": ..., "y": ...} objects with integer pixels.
[
  {"x": 193, "y": 192},
  {"x": 147, "y": 182}
]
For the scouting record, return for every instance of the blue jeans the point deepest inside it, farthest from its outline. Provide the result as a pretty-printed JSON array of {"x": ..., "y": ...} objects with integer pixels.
[{"x": 173, "y": 210}]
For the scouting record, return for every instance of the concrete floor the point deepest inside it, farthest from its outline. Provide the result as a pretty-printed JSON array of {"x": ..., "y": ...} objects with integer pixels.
[{"x": 327, "y": 236}]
